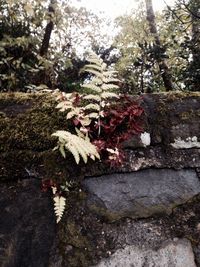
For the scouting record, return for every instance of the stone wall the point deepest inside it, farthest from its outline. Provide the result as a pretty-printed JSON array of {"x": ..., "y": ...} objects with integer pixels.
[{"x": 144, "y": 213}]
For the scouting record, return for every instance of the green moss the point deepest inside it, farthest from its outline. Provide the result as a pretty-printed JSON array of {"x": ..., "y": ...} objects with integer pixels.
[
  {"x": 30, "y": 129},
  {"x": 75, "y": 237},
  {"x": 187, "y": 115},
  {"x": 25, "y": 132}
]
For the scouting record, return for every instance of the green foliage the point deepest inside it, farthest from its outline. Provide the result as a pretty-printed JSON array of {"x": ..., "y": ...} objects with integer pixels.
[
  {"x": 22, "y": 30},
  {"x": 179, "y": 36}
]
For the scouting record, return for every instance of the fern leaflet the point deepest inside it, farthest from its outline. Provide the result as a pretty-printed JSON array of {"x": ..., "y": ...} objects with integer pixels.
[
  {"x": 59, "y": 207},
  {"x": 77, "y": 146}
]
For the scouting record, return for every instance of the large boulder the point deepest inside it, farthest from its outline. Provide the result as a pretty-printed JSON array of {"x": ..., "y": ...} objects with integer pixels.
[{"x": 140, "y": 194}]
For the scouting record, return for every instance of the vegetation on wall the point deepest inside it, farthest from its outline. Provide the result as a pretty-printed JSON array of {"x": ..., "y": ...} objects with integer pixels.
[
  {"x": 101, "y": 120},
  {"x": 45, "y": 44}
]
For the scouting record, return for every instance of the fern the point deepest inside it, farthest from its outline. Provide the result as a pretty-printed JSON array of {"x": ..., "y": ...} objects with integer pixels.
[
  {"x": 78, "y": 146},
  {"x": 92, "y": 106},
  {"x": 86, "y": 109},
  {"x": 102, "y": 80},
  {"x": 106, "y": 95},
  {"x": 59, "y": 207},
  {"x": 92, "y": 87},
  {"x": 109, "y": 86},
  {"x": 92, "y": 98},
  {"x": 86, "y": 112}
]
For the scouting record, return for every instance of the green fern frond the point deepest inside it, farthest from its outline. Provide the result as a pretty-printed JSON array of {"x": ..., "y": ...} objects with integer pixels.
[
  {"x": 92, "y": 87},
  {"x": 109, "y": 86},
  {"x": 110, "y": 80},
  {"x": 92, "y": 66},
  {"x": 101, "y": 86},
  {"x": 106, "y": 95},
  {"x": 92, "y": 106},
  {"x": 92, "y": 97}
]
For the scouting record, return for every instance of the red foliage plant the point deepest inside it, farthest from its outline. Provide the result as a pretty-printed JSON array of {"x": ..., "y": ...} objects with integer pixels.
[{"x": 120, "y": 121}]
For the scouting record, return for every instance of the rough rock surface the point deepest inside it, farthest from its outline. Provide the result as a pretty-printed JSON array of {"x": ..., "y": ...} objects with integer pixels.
[
  {"x": 141, "y": 194},
  {"x": 84, "y": 237},
  {"x": 171, "y": 254},
  {"x": 27, "y": 225}
]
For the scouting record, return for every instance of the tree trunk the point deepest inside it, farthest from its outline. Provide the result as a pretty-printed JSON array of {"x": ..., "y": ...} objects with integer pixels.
[
  {"x": 195, "y": 44},
  {"x": 48, "y": 31},
  {"x": 164, "y": 70}
]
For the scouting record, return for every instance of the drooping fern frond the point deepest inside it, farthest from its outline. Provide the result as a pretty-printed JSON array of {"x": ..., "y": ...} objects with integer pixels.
[{"x": 78, "y": 146}]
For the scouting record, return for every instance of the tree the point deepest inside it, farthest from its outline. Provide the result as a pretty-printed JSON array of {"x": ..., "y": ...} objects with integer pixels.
[
  {"x": 132, "y": 44},
  {"x": 137, "y": 54},
  {"x": 41, "y": 41},
  {"x": 48, "y": 29},
  {"x": 159, "y": 49},
  {"x": 193, "y": 8},
  {"x": 186, "y": 17}
]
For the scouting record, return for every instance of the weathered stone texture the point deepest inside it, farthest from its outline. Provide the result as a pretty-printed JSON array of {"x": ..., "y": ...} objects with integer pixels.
[
  {"x": 140, "y": 194},
  {"x": 171, "y": 254},
  {"x": 27, "y": 225},
  {"x": 150, "y": 200}
]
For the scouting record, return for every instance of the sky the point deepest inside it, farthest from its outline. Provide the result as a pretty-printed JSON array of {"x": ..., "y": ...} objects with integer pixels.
[
  {"x": 114, "y": 8},
  {"x": 111, "y": 9}
]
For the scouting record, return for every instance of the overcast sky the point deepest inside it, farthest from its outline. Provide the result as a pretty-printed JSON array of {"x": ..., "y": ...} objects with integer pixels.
[{"x": 114, "y": 8}]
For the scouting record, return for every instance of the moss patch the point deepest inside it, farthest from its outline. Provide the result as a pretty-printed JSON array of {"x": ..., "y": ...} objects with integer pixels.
[
  {"x": 25, "y": 131},
  {"x": 30, "y": 129}
]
